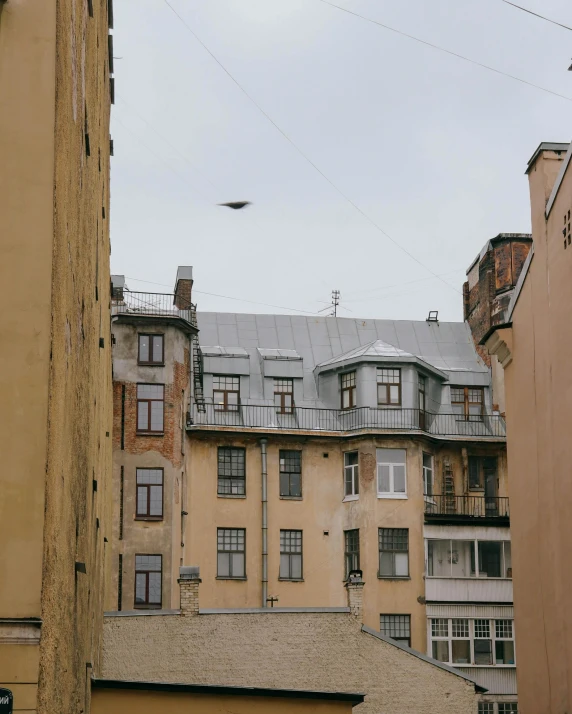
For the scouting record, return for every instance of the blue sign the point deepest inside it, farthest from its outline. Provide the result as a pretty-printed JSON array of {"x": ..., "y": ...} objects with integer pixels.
[{"x": 6, "y": 701}]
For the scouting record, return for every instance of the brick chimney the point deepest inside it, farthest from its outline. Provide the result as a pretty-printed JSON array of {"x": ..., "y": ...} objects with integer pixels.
[
  {"x": 189, "y": 582},
  {"x": 183, "y": 287},
  {"x": 354, "y": 587}
]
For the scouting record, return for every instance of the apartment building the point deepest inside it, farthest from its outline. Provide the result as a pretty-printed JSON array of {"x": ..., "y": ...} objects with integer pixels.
[
  {"x": 531, "y": 343},
  {"x": 55, "y": 384},
  {"x": 319, "y": 446}
]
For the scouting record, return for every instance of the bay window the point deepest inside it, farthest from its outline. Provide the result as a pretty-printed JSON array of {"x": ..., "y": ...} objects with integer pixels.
[
  {"x": 468, "y": 559},
  {"x": 468, "y": 641}
]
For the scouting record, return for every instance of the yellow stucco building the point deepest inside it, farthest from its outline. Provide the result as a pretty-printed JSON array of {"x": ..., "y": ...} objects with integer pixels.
[{"x": 55, "y": 404}]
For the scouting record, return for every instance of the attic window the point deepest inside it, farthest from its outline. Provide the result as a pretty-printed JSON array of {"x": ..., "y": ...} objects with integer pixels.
[
  {"x": 348, "y": 381},
  {"x": 388, "y": 386}
]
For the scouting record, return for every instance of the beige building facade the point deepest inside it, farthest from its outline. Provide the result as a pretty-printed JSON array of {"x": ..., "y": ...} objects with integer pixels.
[
  {"x": 532, "y": 345},
  {"x": 55, "y": 405}
]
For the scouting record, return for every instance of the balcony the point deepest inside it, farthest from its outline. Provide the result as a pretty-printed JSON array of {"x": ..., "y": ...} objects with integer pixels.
[
  {"x": 152, "y": 305},
  {"x": 467, "y": 510},
  {"x": 265, "y": 418}
]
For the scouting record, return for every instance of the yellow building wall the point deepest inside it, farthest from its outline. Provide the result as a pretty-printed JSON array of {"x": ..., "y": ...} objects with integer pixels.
[{"x": 117, "y": 701}]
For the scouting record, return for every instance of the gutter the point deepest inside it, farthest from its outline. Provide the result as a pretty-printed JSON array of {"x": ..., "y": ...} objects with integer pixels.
[{"x": 264, "y": 474}]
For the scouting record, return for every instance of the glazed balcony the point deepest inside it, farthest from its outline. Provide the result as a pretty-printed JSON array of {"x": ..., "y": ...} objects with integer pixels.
[
  {"x": 266, "y": 418},
  {"x": 467, "y": 510},
  {"x": 152, "y": 305}
]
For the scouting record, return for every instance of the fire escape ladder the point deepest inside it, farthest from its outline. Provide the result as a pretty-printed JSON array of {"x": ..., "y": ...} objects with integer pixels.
[{"x": 197, "y": 366}]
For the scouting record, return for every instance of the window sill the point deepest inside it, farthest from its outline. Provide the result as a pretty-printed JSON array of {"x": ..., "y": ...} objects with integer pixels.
[
  {"x": 291, "y": 580},
  {"x": 157, "y": 519},
  {"x": 393, "y": 577},
  {"x": 150, "y": 433},
  {"x": 350, "y": 498},
  {"x": 231, "y": 495},
  {"x": 394, "y": 496},
  {"x": 150, "y": 364},
  {"x": 147, "y": 607},
  {"x": 225, "y": 577},
  {"x": 291, "y": 498}
]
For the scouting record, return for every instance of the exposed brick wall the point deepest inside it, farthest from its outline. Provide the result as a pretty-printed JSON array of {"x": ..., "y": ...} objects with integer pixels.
[
  {"x": 320, "y": 651},
  {"x": 183, "y": 294}
]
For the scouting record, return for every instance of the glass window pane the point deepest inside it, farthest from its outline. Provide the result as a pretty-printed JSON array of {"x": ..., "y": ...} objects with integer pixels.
[
  {"x": 398, "y": 478},
  {"x": 296, "y": 566},
  {"x": 383, "y": 478},
  {"x": 394, "y": 394},
  {"x": 223, "y": 565},
  {"x": 461, "y": 556},
  {"x": 483, "y": 652},
  {"x": 295, "y": 484},
  {"x": 345, "y": 399},
  {"x": 351, "y": 458},
  {"x": 507, "y": 572},
  {"x": 155, "y": 588},
  {"x": 490, "y": 558},
  {"x": 285, "y": 484},
  {"x": 142, "y": 500},
  {"x": 439, "y": 627},
  {"x": 142, "y": 415},
  {"x": 284, "y": 566},
  {"x": 150, "y": 391},
  {"x": 391, "y": 456},
  {"x": 156, "y": 502},
  {"x": 504, "y": 652},
  {"x": 381, "y": 394},
  {"x": 401, "y": 564},
  {"x": 439, "y": 564},
  {"x": 356, "y": 480},
  {"x": 237, "y": 565},
  {"x": 441, "y": 650},
  {"x": 156, "y": 416},
  {"x": 158, "y": 348},
  {"x": 140, "y": 587},
  {"x": 143, "y": 348},
  {"x": 461, "y": 650},
  {"x": 386, "y": 564}
]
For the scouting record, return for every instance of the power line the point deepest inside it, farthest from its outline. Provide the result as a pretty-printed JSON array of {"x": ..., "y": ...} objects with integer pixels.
[
  {"x": 227, "y": 297},
  {"x": 314, "y": 166},
  {"x": 537, "y": 15},
  {"x": 395, "y": 285},
  {"x": 449, "y": 52}
]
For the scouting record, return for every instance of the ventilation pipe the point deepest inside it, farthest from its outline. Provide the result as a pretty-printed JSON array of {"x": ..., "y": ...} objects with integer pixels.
[{"x": 263, "y": 456}]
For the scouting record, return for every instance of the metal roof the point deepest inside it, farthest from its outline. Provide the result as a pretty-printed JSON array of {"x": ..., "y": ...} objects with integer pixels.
[
  {"x": 377, "y": 348},
  {"x": 448, "y": 346}
]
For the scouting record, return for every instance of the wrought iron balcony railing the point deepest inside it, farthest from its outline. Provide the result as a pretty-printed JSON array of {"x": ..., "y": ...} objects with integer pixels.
[
  {"x": 266, "y": 416},
  {"x": 127, "y": 302},
  {"x": 461, "y": 508}
]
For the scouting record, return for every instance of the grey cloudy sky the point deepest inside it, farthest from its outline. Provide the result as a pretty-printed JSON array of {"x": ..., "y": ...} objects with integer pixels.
[{"x": 431, "y": 148}]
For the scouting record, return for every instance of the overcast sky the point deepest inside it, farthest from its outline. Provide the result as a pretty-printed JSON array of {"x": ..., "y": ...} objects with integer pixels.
[{"x": 431, "y": 148}]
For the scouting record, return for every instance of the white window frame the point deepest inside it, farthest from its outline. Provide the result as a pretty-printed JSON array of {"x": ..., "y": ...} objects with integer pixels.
[
  {"x": 475, "y": 544},
  {"x": 426, "y": 471},
  {"x": 354, "y": 468},
  {"x": 471, "y": 620},
  {"x": 391, "y": 493}
]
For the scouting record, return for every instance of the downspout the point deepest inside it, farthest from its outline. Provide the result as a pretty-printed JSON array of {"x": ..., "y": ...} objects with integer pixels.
[{"x": 263, "y": 457}]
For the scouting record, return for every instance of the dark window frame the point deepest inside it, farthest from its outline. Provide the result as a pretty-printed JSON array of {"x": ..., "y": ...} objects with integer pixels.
[
  {"x": 147, "y": 605},
  {"x": 397, "y": 535},
  {"x": 285, "y": 455},
  {"x": 283, "y": 407},
  {"x": 230, "y": 552},
  {"x": 231, "y": 479},
  {"x": 468, "y": 403},
  {"x": 480, "y": 465},
  {"x": 226, "y": 406},
  {"x": 148, "y": 430},
  {"x": 351, "y": 551},
  {"x": 291, "y": 553},
  {"x": 388, "y": 385},
  {"x": 349, "y": 388},
  {"x": 400, "y": 620},
  {"x": 151, "y": 362},
  {"x": 148, "y": 516}
]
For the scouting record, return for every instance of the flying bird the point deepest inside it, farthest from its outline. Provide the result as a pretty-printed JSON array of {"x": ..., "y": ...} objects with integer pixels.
[{"x": 236, "y": 205}]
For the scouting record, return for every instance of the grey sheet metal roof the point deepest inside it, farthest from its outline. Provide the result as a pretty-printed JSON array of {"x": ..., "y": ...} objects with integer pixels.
[
  {"x": 448, "y": 346},
  {"x": 266, "y": 353},
  {"x": 377, "y": 348}
]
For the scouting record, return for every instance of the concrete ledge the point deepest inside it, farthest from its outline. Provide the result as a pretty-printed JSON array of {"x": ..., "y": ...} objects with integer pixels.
[{"x": 271, "y": 610}]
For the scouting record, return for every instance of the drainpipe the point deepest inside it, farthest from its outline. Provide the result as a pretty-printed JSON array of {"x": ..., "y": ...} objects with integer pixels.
[{"x": 263, "y": 443}]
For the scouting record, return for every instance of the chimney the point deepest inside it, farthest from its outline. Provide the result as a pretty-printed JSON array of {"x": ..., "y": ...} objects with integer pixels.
[
  {"x": 117, "y": 287},
  {"x": 189, "y": 583},
  {"x": 354, "y": 587},
  {"x": 183, "y": 287}
]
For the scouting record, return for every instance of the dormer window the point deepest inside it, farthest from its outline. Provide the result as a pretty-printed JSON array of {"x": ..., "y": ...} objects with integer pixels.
[
  {"x": 388, "y": 386},
  {"x": 226, "y": 392},
  {"x": 284, "y": 395},
  {"x": 348, "y": 390},
  {"x": 467, "y": 403}
]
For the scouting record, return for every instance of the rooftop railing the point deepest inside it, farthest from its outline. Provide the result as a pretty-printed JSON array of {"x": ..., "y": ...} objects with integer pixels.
[
  {"x": 127, "y": 302},
  {"x": 266, "y": 416},
  {"x": 462, "y": 508}
]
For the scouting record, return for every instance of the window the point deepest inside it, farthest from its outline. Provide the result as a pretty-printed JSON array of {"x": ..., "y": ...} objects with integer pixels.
[
  {"x": 148, "y": 576},
  {"x": 508, "y": 708},
  {"x": 291, "y": 555},
  {"x": 482, "y": 472},
  {"x": 226, "y": 391},
  {"x": 290, "y": 473},
  {"x": 348, "y": 390},
  {"x": 284, "y": 396},
  {"x": 151, "y": 349},
  {"x": 469, "y": 559},
  {"x": 231, "y": 471},
  {"x": 351, "y": 473},
  {"x": 351, "y": 551},
  {"x": 460, "y": 641},
  {"x": 422, "y": 386},
  {"x": 150, "y": 407},
  {"x": 393, "y": 552},
  {"x": 427, "y": 474},
  {"x": 486, "y": 708},
  {"x": 230, "y": 553},
  {"x": 467, "y": 403},
  {"x": 388, "y": 386},
  {"x": 391, "y": 481},
  {"x": 398, "y": 627},
  {"x": 149, "y": 493}
]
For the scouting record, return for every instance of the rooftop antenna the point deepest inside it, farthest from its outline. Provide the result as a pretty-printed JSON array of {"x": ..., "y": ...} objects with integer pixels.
[{"x": 335, "y": 302}]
